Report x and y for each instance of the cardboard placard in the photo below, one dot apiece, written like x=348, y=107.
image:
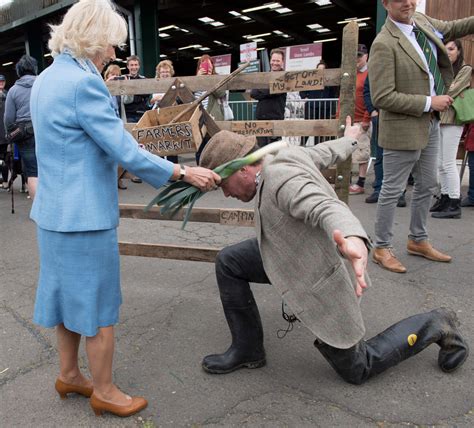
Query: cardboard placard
x=236, y=217
x=294, y=81
x=165, y=139
x=259, y=128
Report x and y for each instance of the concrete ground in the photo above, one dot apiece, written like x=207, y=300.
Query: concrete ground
x=172, y=317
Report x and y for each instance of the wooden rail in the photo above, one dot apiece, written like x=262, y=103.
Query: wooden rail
x=332, y=77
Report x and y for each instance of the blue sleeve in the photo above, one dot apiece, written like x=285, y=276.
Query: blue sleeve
x=96, y=116
x=367, y=99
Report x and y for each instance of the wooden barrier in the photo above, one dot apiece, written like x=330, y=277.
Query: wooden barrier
x=183, y=88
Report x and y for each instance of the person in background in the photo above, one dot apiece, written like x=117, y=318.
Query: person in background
x=214, y=103
x=17, y=110
x=135, y=105
x=408, y=87
x=112, y=73
x=315, y=109
x=449, y=203
x=270, y=106
x=80, y=142
x=164, y=70
x=468, y=201
x=3, y=140
x=361, y=156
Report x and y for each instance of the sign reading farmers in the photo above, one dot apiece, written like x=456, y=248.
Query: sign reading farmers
x=248, y=52
x=292, y=81
x=222, y=63
x=303, y=57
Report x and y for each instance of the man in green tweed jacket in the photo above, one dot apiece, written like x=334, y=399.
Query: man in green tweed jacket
x=409, y=72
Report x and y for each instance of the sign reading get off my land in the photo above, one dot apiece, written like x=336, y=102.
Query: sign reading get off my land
x=293, y=81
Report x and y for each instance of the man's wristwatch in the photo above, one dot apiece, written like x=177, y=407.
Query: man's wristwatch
x=182, y=172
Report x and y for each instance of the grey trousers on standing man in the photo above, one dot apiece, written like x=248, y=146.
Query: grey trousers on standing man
x=397, y=165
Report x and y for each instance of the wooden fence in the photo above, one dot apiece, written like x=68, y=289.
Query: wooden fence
x=345, y=77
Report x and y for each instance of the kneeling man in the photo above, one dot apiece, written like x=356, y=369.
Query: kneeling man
x=314, y=251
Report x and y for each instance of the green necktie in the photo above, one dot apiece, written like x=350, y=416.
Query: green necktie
x=431, y=59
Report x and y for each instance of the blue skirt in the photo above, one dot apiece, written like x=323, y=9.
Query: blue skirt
x=79, y=280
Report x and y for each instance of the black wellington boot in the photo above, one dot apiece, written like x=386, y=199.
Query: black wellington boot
x=399, y=342
x=441, y=202
x=452, y=210
x=247, y=349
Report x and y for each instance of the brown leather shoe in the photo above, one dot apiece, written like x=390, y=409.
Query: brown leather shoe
x=425, y=249
x=64, y=389
x=385, y=258
x=99, y=406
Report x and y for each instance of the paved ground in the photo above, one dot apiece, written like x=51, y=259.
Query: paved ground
x=172, y=317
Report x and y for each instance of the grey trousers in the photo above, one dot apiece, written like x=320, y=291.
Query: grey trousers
x=397, y=165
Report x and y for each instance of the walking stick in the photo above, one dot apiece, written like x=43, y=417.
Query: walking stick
x=205, y=95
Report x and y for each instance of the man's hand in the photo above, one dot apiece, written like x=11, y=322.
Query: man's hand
x=353, y=249
x=375, y=113
x=441, y=102
x=352, y=131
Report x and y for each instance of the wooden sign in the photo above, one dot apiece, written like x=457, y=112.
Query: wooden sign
x=236, y=217
x=259, y=128
x=294, y=81
x=162, y=138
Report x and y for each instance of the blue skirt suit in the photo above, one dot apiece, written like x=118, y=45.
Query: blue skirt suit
x=79, y=142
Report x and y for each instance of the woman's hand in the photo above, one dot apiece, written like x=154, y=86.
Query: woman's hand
x=203, y=72
x=202, y=178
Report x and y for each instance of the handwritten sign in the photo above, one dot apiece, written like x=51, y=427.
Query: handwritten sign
x=160, y=137
x=236, y=217
x=293, y=81
x=259, y=128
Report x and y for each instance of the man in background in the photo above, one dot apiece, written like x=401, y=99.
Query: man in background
x=270, y=106
x=409, y=73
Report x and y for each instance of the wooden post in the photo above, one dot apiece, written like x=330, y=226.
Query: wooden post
x=350, y=40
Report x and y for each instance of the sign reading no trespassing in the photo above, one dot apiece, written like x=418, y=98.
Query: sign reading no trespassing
x=259, y=128
x=293, y=81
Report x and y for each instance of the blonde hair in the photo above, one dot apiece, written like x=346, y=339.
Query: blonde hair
x=110, y=69
x=88, y=28
x=166, y=63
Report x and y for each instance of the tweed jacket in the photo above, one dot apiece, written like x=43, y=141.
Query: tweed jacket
x=296, y=213
x=79, y=141
x=399, y=80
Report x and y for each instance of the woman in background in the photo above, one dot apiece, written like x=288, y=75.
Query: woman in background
x=449, y=203
x=214, y=103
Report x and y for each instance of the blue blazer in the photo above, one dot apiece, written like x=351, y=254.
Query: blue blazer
x=79, y=142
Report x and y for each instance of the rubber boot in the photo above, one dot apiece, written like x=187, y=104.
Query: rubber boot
x=246, y=350
x=399, y=342
x=452, y=210
x=440, y=204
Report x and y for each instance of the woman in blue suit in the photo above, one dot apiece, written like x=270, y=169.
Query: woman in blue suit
x=79, y=142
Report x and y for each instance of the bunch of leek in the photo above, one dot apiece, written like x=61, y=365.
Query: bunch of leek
x=179, y=194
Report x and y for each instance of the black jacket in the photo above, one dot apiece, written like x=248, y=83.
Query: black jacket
x=140, y=102
x=269, y=106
